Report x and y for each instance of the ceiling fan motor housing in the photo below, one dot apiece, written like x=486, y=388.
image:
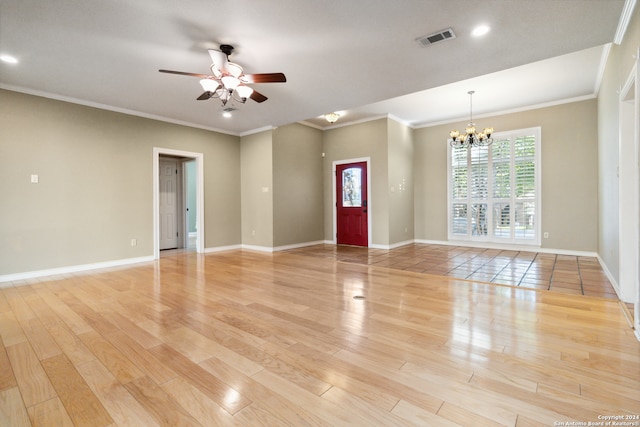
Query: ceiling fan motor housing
x=227, y=49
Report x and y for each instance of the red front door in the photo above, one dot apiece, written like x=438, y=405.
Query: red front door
x=351, y=196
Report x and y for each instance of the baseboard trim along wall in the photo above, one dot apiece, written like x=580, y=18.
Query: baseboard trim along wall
x=257, y=248
x=222, y=249
x=523, y=248
x=7, y=278
x=298, y=245
x=284, y=247
x=615, y=285
x=123, y=262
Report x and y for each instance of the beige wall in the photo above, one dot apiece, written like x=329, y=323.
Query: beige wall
x=400, y=185
x=95, y=189
x=569, y=174
x=357, y=141
x=257, y=189
x=95, y=169
x=619, y=65
x=297, y=185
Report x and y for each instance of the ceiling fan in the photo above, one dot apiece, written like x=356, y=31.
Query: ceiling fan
x=228, y=80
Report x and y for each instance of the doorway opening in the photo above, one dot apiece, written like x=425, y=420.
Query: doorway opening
x=352, y=202
x=178, y=200
x=629, y=194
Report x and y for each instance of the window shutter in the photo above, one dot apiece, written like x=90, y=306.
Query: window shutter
x=502, y=175
x=525, y=186
x=494, y=191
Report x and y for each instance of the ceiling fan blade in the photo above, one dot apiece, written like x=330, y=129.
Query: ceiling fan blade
x=258, y=97
x=205, y=96
x=219, y=59
x=184, y=73
x=264, y=78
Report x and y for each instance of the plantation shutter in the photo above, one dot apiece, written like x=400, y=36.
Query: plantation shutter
x=525, y=186
x=494, y=190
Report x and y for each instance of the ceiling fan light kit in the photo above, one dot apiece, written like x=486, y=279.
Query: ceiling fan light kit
x=228, y=81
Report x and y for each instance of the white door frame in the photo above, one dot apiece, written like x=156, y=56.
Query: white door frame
x=629, y=192
x=636, y=125
x=185, y=202
x=367, y=160
x=199, y=158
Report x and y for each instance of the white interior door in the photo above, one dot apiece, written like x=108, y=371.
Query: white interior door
x=158, y=156
x=168, y=204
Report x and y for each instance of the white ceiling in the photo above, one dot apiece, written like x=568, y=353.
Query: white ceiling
x=356, y=56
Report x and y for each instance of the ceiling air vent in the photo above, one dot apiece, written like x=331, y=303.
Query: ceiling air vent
x=436, y=37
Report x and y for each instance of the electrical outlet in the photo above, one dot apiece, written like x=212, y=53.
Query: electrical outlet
x=546, y=235
x=134, y=242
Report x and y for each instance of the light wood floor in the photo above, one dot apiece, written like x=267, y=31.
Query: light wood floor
x=246, y=338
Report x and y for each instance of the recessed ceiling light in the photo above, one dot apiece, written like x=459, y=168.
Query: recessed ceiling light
x=226, y=114
x=480, y=30
x=8, y=59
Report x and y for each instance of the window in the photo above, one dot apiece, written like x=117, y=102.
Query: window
x=351, y=187
x=494, y=192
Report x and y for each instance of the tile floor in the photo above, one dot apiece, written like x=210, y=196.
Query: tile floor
x=557, y=273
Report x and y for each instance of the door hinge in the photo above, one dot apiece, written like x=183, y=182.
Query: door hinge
x=176, y=234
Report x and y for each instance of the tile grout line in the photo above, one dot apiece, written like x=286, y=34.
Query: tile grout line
x=528, y=268
x=580, y=275
x=553, y=270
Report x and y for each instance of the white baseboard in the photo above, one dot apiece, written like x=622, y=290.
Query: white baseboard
x=71, y=269
x=392, y=246
x=265, y=248
x=523, y=248
x=377, y=246
x=222, y=249
x=401, y=244
x=257, y=248
x=614, y=283
x=298, y=245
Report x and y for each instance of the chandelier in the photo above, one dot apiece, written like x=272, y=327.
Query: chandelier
x=226, y=84
x=470, y=138
x=332, y=117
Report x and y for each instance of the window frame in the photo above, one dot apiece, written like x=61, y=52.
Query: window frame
x=490, y=200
